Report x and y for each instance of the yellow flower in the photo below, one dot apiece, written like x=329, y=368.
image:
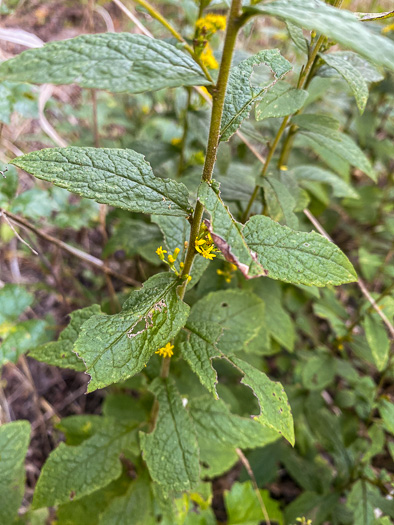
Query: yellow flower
x=388, y=28
x=176, y=141
x=211, y=23
x=206, y=252
x=172, y=258
x=160, y=252
x=208, y=59
x=166, y=351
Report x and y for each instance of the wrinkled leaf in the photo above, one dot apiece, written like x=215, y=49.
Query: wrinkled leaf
x=115, y=347
x=241, y=94
x=352, y=76
x=60, y=352
x=118, y=62
x=117, y=177
x=297, y=257
x=215, y=422
x=281, y=100
x=378, y=340
x=171, y=450
x=72, y=472
x=275, y=410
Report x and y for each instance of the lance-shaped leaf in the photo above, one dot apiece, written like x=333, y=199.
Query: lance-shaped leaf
x=118, y=177
x=60, y=352
x=171, y=450
x=115, y=347
x=275, y=411
x=72, y=472
x=241, y=94
x=118, y=62
x=321, y=129
x=352, y=76
x=227, y=233
x=14, y=441
x=337, y=24
x=317, y=174
x=281, y=100
x=297, y=257
x=213, y=420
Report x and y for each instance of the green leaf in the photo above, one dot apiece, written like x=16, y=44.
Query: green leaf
x=297, y=36
x=21, y=338
x=337, y=24
x=60, y=352
x=369, y=72
x=321, y=129
x=386, y=410
x=360, y=503
x=297, y=257
x=241, y=94
x=14, y=300
x=280, y=201
x=120, y=178
x=171, y=450
x=378, y=340
x=213, y=420
x=275, y=410
x=239, y=313
x=317, y=174
x=118, y=62
x=281, y=100
x=133, y=508
x=115, y=347
x=352, y=76
x=72, y=472
x=278, y=321
x=244, y=508
x=200, y=348
x=14, y=441
x=88, y=509
x=215, y=458
x=227, y=233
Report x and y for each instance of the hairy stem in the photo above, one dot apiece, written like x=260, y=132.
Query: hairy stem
x=218, y=96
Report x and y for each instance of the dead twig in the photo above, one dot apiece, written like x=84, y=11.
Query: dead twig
x=249, y=470
x=90, y=259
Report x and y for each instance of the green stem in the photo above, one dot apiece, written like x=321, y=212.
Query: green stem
x=218, y=96
x=155, y=14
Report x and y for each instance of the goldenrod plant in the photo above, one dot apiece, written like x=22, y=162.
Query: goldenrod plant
x=244, y=335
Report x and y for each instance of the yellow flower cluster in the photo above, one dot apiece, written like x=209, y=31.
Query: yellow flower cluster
x=204, y=244
x=208, y=59
x=171, y=258
x=228, y=272
x=166, y=351
x=211, y=23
